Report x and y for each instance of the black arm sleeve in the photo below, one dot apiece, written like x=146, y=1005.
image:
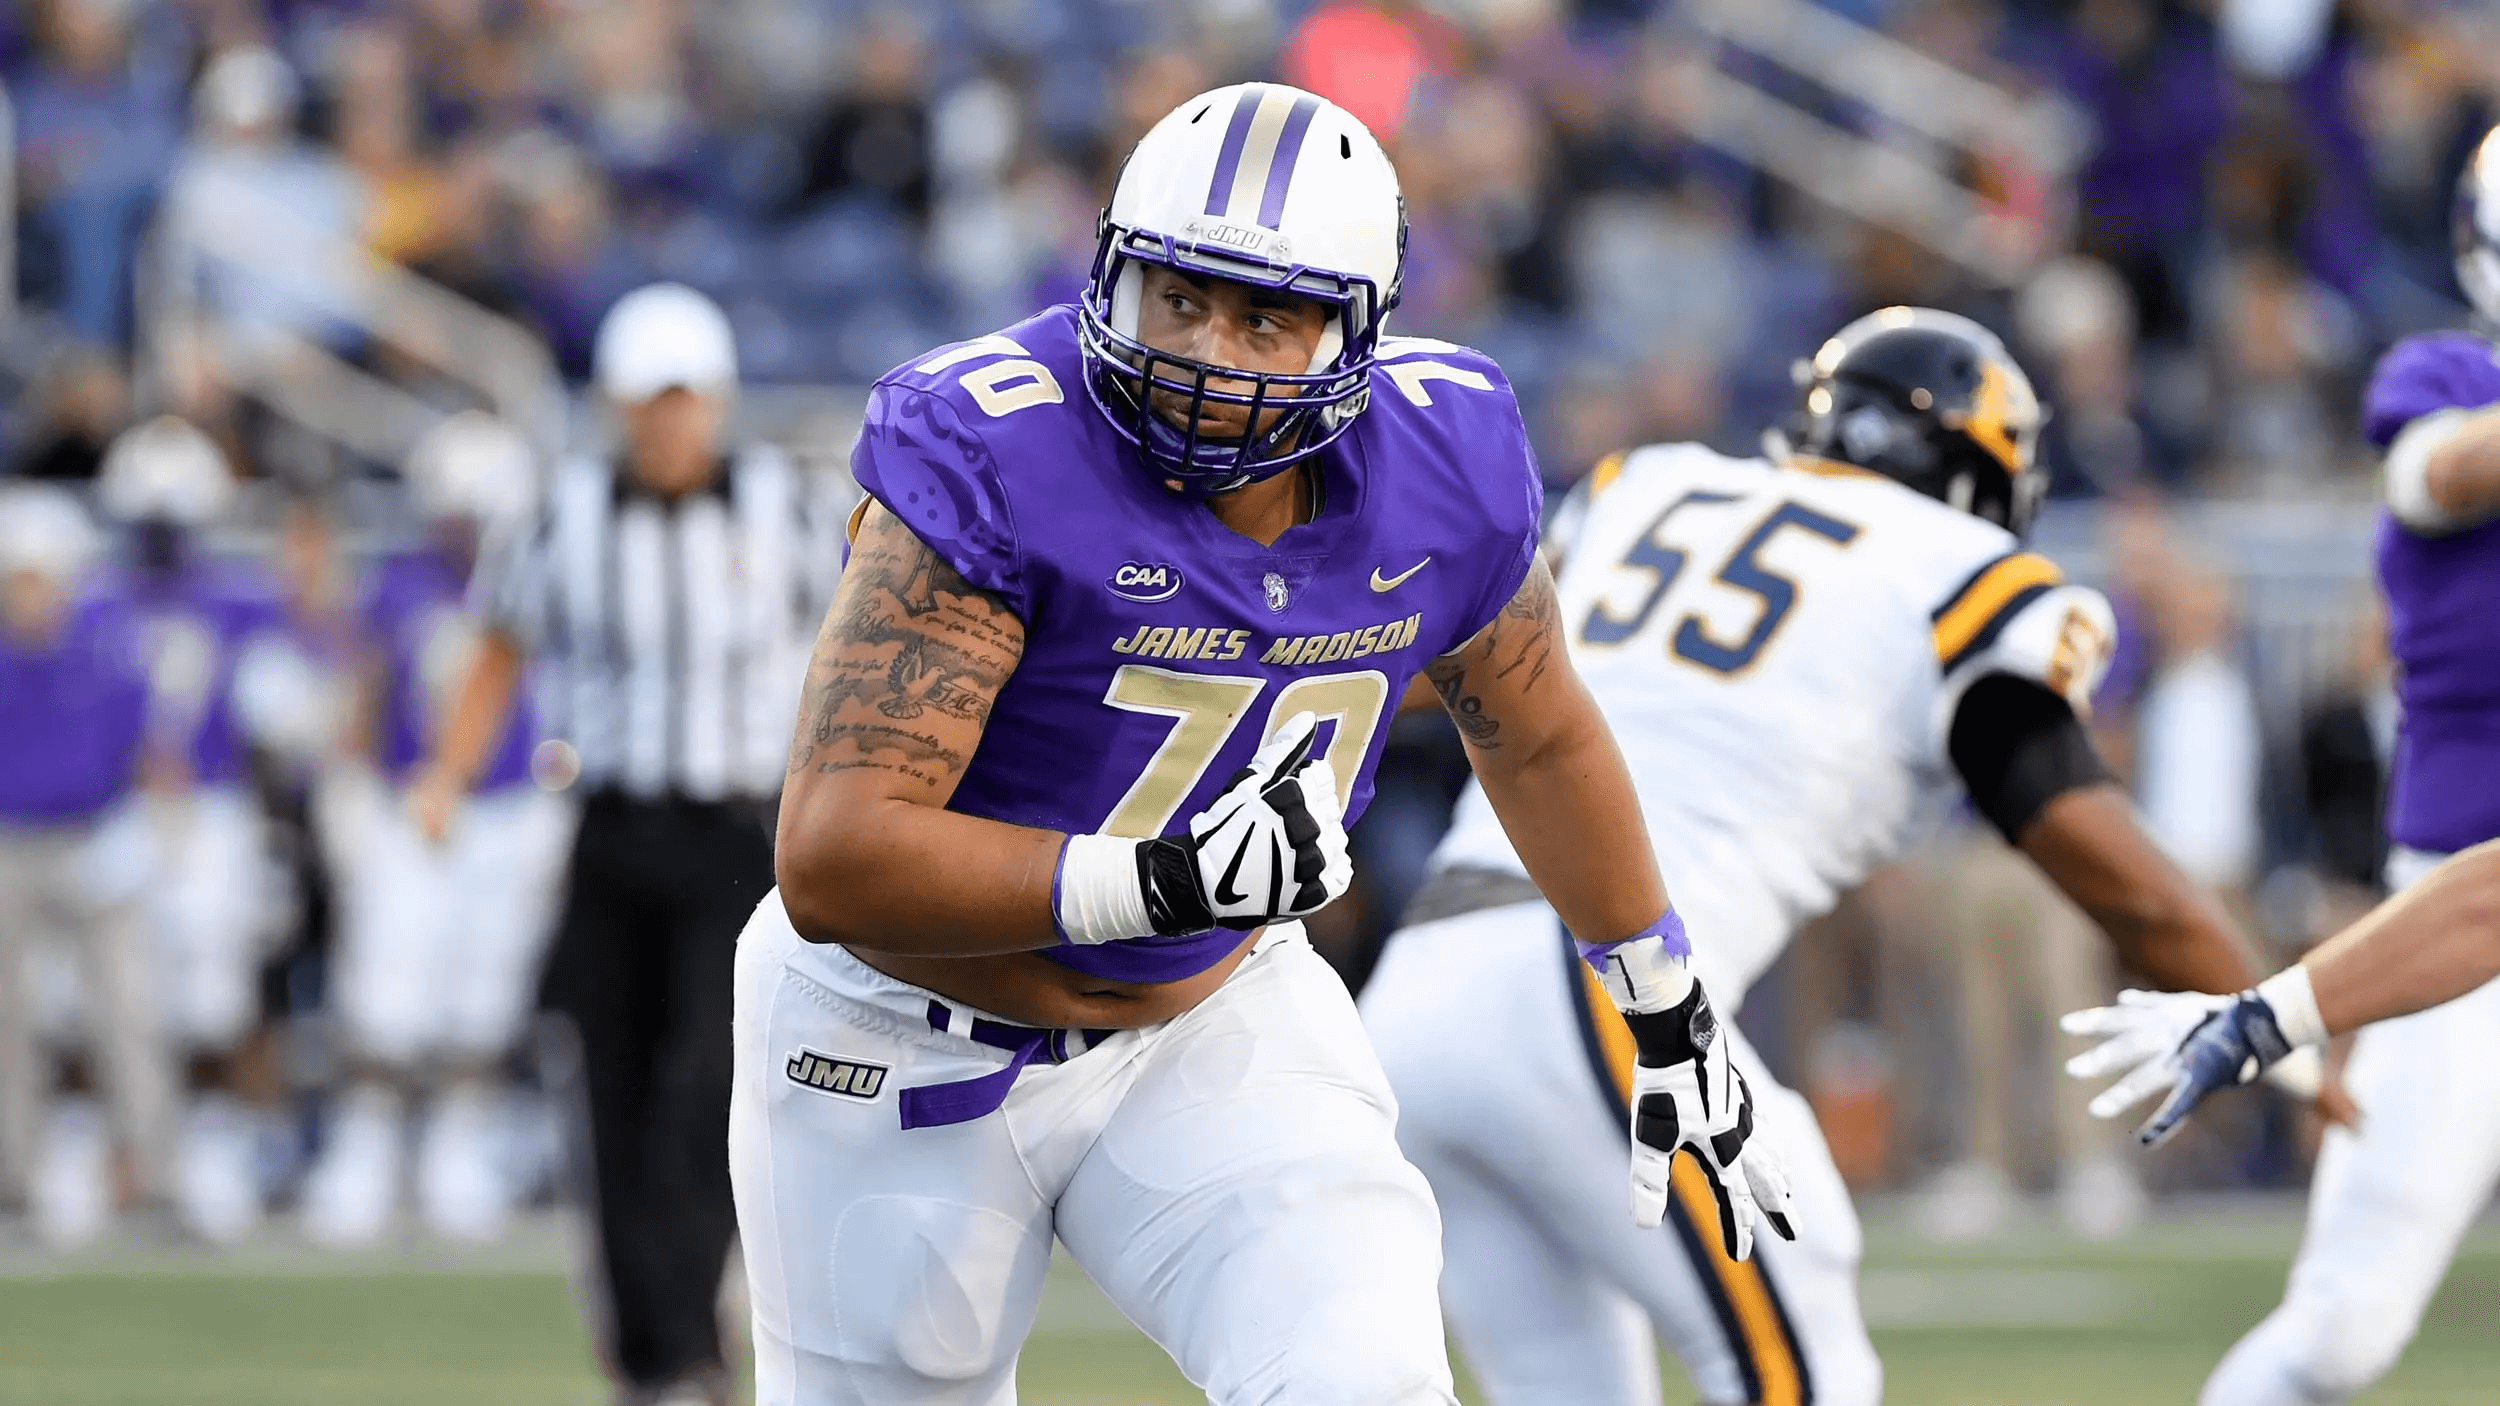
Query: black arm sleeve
x=2018, y=747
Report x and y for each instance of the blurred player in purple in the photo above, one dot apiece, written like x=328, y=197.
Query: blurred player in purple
x=2390, y=1200
x=199, y=859
x=438, y=944
x=73, y=715
x=1138, y=584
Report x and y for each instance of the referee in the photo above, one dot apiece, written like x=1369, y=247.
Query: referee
x=663, y=606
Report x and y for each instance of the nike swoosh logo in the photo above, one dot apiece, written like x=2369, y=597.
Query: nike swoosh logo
x=1392, y=583
x=1224, y=890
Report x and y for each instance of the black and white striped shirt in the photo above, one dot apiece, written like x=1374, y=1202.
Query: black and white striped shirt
x=669, y=637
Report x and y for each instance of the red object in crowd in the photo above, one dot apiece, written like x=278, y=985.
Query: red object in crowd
x=1370, y=60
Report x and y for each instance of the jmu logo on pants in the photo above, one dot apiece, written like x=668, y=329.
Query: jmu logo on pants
x=850, y=1078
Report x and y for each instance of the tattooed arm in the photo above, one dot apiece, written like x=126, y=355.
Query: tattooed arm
x=1549, y=765
x=909, y=660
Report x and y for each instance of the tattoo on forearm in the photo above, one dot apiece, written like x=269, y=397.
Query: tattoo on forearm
x=1514, y=650
x=908, y=641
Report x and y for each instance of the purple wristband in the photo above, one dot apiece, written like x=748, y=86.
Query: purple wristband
x=1669, y=928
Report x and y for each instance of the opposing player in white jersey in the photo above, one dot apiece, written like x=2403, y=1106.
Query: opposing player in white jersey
x=1802, y=660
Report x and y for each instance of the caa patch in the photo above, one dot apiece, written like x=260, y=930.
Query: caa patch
x=850, y=1078
x=1145, y=581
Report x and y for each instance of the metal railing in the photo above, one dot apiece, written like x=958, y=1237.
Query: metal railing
x=1930, y=113
x=246, y=238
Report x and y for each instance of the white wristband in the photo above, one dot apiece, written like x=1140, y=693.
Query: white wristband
x=1096, y=894
x=2295, y=1005
x=1644, y=976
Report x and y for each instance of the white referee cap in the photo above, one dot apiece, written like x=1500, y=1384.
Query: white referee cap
x=662, y=336
x=42, y=529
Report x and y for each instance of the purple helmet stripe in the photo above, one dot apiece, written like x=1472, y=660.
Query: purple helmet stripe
x=1280, y=167
x=1228, y=159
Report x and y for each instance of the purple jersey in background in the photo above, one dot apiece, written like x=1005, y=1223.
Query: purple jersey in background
x=413, y=607
x=2443, y=615
x=1161, y=647
x=192, y=626
x=73, y=718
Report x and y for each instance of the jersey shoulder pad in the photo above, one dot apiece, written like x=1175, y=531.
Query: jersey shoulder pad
x=920, y=456
x=2018, y=615
x=2423, y=375
x=1464, y=461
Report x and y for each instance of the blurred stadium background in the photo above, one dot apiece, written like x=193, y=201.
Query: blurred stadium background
x=315, y=230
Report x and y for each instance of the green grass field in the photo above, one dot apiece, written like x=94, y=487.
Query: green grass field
x=2027, y=1320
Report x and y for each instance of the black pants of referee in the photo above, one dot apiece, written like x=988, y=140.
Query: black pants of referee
x=642, y=962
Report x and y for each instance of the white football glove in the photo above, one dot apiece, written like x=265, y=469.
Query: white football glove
x=1687, y=1095
x=1271, y=846
x=2187, y=1044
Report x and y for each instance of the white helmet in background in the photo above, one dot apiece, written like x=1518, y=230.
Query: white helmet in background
x=473, y=466
x=44, y=530
x=1262, y=184
x=165, y=471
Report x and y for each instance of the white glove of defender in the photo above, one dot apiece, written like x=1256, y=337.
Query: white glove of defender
x=1272, y=846
x=1687, y=1096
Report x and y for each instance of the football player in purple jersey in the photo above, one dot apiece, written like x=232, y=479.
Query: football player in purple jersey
x=197, y=851
x=1137, y=584
x=2391, y=1198
x=439, y=939
x=73, y=722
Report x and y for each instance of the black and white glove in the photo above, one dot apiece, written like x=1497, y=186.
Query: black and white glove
x=1686, y=1095
x=1271, y=847
x=2187, y=1044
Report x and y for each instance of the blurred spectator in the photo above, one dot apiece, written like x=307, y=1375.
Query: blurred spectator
x=872, y=143
x=2346, y=738
x=73, y=709
x=2075, y=318
x=2197, y=748
x=82, y=404
x=2148, y=73
x=247, y=184
x=94, y=140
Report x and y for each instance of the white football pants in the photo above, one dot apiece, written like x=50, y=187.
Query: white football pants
x=2387, y=1204
x=439, y=946
x=199, y=868
x=1230, y=1178
x=1511, y=1067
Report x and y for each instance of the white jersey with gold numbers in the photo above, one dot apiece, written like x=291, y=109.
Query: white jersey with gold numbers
x=1780, y=650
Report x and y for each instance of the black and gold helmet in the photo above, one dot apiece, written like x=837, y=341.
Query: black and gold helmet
x=1930, y=399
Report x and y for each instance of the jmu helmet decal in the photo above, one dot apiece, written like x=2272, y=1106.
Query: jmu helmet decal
x=1145, y=582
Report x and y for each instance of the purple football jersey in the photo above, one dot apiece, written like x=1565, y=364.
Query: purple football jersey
x=1153, y=633
x=413, y=611
x=73, y=717
x=192, y=628
x=2443, y=615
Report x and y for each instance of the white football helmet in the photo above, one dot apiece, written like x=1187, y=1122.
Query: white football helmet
x=1261, y=184
x=2477, y=229
x=165, y=471
x=43, y=530
x=472, y=466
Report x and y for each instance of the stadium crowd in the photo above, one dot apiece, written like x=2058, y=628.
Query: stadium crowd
x=2262, y=208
